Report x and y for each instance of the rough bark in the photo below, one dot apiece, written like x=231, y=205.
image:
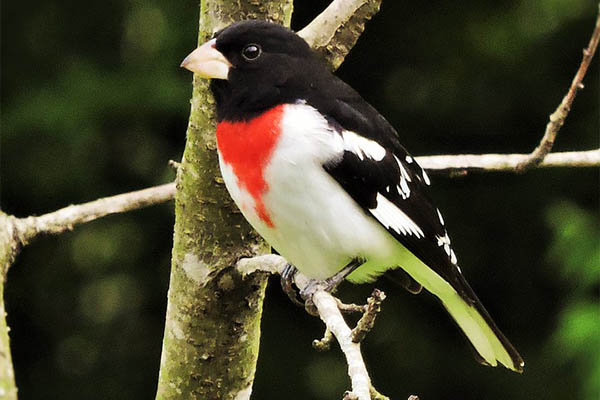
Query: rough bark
x=212, y=328
x=337, y=29
x=9, y=248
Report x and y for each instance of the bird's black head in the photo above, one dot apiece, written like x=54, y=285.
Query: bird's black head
x=255, y=65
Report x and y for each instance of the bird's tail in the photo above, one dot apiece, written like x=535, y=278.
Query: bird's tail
x=491, y=346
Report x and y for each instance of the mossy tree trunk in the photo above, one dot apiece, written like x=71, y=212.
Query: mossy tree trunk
x=212, y=329
x=9, y=248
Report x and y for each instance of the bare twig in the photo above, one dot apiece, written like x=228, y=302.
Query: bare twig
x=367, y=321
x=329, y=312
x=507, y=162
x=323, y=344
x=174, y=164
x=375, y=395
x=335, y=31
x=271, y=263
x=66, y=218
x=351, y=308
x=557, y=118
x=19, y=231
x=332, y=317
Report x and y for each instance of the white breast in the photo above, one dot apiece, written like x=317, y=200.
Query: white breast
x=317, y=226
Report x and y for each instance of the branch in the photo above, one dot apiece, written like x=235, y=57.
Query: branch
x=557, y=118
x=20, y=231
x=330, y=313
x=507, y=162
x=366, y=323
x=335, y=31
x=66, y=218
x=25, y=229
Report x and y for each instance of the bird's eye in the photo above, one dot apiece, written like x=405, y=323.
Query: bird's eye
x=251, y=52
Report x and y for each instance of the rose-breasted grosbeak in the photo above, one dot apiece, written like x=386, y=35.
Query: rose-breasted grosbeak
x=322, y=176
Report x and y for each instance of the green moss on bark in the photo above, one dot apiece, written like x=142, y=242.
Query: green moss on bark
x=212, y=329
x=9, y=248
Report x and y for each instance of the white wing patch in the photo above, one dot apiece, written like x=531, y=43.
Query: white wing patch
x=403, y=187
x=440, y=216
x=453, y=258
x=392, y=217
x=362, y=147
x=425, y=177
x=444, y=241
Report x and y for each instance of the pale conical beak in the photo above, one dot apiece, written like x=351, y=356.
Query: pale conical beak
x=207, y=61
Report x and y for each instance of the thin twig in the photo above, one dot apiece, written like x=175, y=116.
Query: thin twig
x=174, y=164
x=351, y=308
x=506, y=162
x=557, y=118
x=25, y=229
x=375, y=395
x=66, y=218
x=332, y=317
x=329, y=312
x=366, y=323
x=323, y=344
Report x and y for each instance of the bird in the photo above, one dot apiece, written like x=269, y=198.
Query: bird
x=322, y=176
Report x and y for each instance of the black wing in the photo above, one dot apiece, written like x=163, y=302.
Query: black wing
x=393, y=190
x=391, y=187
x=396, y=179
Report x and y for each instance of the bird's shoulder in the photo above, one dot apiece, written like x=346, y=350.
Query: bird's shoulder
x=386, y=180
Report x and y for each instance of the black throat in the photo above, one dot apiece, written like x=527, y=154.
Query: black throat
x=246, y=94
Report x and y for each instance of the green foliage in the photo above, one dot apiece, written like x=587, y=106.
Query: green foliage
x=575, y=251
x=94, y=103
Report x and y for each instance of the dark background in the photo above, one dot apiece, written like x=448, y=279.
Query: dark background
x=94, y=104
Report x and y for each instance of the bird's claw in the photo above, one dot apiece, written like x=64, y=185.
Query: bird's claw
x=287, y=284
x=328, y=285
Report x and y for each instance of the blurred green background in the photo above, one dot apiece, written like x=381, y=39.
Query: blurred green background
x=94, y=104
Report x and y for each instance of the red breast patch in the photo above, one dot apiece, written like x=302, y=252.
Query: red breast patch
x=247, y=147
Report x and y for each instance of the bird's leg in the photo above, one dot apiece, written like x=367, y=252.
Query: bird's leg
x=328, y=285
x=287, y=284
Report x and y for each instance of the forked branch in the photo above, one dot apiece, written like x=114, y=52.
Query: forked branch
x=557, y=118
x=335, y=31
x=329, y=311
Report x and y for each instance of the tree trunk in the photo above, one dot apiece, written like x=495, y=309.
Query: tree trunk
x=212, y=328
x=8, y=252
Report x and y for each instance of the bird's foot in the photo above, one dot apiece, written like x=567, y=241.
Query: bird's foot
x=309, y=291
x=287, y=284
x=329, y=285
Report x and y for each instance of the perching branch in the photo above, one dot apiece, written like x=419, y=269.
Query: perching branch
x=333, y=319
x=335, y=31
x=557, y=118
x=329, y=311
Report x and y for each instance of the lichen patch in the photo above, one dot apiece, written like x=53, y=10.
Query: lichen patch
x=196, y=269
x=244, y=394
